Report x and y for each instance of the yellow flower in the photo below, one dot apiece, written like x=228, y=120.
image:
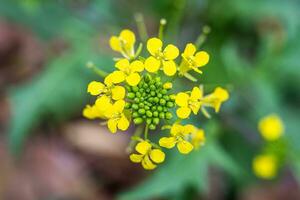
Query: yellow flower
x=215, y=99
x=188, y=103
x=116, y=117
x=147, y=156
x=179, y=136
x=108, y=89
x=92, y=112
x=161, y=58
x=265, y=166
x=198, y=137
x=192, y=61
x=271, y=127
x=128, y=71
x=124, y=43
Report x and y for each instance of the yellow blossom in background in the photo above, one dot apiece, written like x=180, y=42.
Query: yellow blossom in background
x=128, y=71
x=271, y=127
x=124, y=43
x=265, y=166
x=179, y=136
x=197, y=137
x=161, y=58
x=192, y=61
x=148, y=156
x=116, y=117
x=188, y=103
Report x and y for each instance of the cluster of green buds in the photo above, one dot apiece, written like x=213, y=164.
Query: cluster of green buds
x=150, y=102
x=139, y=92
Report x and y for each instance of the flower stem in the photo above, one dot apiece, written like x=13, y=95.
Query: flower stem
x=141, y=26
x=134, y=138
x=202, y=37
x=98, y=71
x=146, y=132
x=163, y=23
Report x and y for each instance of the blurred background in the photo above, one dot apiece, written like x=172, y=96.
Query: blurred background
x=48, y=151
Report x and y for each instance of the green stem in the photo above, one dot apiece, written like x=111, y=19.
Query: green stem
x=98, y=71
x=163, y=23
x=202, y=37
x=141, y=26
x=134, y=138
x=146, y=132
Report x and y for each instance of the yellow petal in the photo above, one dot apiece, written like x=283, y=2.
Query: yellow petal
x=152, y=64
x=119, y=106
x=88, y=112
x=137, y=66
x=198, y=138
x=189, y=50
x=157, y=156
x=128, y=36
x=103, y=103
x=112, y=125
x=154, y=46
x=171, y=52
x=133, y=79
x=95, y=88
x=136, y=158
x=221, y=94
x=118, y=92
x=187, y=129
x=168, y=85
x=182, y=99
x=115, y=44
x=183, y=112
x=143, y=147
x=167, y=142
x=169, y=68
x=176, y=129
x=122, y=64
x=123, y=123
x=195, y=107
x=184, y=147
x=147, y=163
x=196, y=93
x=201, y=58
x=117, y=77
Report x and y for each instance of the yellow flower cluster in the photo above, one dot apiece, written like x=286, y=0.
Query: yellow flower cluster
x=271, y=129
x=139, y=91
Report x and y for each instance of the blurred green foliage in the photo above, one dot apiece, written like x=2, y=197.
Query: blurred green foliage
x=254, y=47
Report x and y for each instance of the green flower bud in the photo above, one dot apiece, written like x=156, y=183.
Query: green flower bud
x=138, y=94
x=141, y=111
x=135, y=114
x=159, y=95
x=153, y=108
x=156, y=100
x=127, y=105
x=152, y=87
x=169, y=115
x=164, y=91
x=159, y=108
x=156, y=121
x=147, y=108
x=149, y=113
x=166, y=97
x=138, y=120
x=141, y=105
x=162, y=102
x=152, y=127
x=155, y=114
x=148, y=121
x=130, y=95
x=135, y=89
x=135, y=106
x=170, y=104
x=136, y=100
x=162, y=115
x=152, y=93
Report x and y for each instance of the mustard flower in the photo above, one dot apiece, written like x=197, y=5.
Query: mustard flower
x=188, y=103
x=265, y=166
x=271, y=127
x=128, y=71
x=215, y=99
x=124, y=43
x=180, y=136
x=116, y=117
x=148, y=156
x=192, y=61
x=161, y=58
